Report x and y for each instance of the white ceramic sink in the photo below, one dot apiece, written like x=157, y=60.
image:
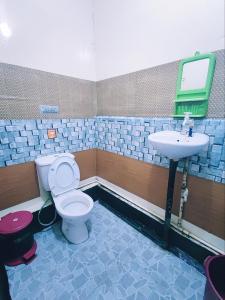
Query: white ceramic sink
x=175, y=145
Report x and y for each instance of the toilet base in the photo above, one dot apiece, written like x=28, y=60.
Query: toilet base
x=75, y=233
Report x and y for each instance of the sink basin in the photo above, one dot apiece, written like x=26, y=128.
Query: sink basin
x=175, y=145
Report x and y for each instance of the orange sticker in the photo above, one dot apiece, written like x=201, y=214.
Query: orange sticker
x=51, y=133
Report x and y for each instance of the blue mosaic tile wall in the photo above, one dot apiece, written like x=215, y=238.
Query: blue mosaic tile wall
x=24, y=140
x=128, y=136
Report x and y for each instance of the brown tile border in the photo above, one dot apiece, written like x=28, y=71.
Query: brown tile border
x=205, y=207
x=19, y=183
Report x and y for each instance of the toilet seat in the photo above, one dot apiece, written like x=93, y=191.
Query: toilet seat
x=64, y=178
x=63, y=175
x=73, y=204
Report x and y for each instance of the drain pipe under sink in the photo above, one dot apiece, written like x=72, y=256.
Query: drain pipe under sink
x=184, y=193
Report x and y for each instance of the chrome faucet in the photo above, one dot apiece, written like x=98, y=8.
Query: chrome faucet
x=187, y=125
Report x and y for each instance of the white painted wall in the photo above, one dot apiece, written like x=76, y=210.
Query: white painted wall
x=50, y=35
x=132, y=35
x=59, y=36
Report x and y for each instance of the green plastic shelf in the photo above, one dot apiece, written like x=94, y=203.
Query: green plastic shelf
x=181, y=116
x=190, y=100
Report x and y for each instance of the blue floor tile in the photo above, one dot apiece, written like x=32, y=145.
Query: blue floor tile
x=116, y=263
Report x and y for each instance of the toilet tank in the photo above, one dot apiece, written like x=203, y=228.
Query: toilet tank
x=43, y=164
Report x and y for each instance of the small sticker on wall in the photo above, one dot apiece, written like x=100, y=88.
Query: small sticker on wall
x=49, y=109
x=51, y=133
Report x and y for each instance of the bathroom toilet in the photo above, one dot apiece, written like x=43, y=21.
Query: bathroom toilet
x=60, y=174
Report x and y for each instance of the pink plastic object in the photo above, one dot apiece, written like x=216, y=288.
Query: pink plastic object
x=25, y=259
x=14, y=222
x=215, y=273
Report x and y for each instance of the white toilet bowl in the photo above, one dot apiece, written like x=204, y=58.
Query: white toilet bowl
x=60, y=174
x=74, y=208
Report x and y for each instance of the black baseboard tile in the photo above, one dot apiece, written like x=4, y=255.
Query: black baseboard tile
x=179, y=244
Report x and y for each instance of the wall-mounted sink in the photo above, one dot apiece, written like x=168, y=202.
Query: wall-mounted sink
x=175, y=145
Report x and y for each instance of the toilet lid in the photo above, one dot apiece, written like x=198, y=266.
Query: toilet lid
x=63, y=175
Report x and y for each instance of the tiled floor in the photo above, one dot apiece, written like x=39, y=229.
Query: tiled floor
x=117, y=262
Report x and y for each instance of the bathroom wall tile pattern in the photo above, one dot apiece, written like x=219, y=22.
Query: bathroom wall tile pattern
x=128, y=136
x=151, y=92
x=116, y=262
x=24, y=140
x=23, y=90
